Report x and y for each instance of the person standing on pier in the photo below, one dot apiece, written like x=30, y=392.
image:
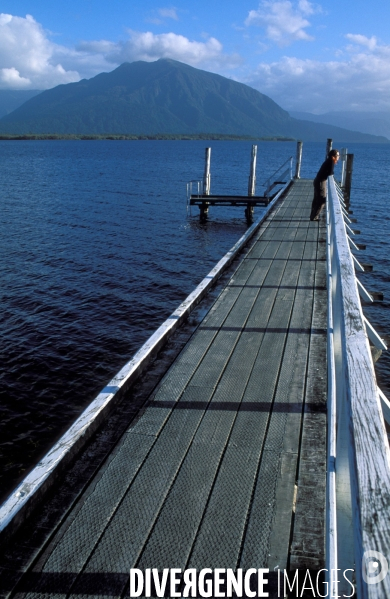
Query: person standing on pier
x=319, y=183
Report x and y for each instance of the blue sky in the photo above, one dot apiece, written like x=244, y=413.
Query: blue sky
x=308, y=56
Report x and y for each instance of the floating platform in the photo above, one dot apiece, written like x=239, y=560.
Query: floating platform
x=226, y=200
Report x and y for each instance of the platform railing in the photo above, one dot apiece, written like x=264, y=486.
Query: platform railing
x=358, y=485
x=190, y=192
x=277, y=178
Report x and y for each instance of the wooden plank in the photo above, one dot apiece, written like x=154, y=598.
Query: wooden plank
x=308, y=538
x=231, y=494
x=194, y=479
x=267, y=536
x=301, y=322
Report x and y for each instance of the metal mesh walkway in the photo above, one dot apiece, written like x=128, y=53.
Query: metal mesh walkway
x=225, y=467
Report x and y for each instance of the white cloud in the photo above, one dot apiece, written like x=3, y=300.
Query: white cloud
x=358, y=78
x=306, y=8
x=284, y=21
x=29, y=59
x=26, y=56
x=11, y=78
x=168, y=13
x=159, y=16
x=361, y=81
x=96, y=47
x=362, y=40
x=149, y=47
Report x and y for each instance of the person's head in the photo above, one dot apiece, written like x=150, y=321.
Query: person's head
x=334, y=155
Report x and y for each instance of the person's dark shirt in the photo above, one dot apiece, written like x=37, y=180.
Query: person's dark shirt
x=326, y=169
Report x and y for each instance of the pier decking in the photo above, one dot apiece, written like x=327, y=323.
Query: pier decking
x=225, y=467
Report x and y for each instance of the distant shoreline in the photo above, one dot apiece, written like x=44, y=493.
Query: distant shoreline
x=131, y=137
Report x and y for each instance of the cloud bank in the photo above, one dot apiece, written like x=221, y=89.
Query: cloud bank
x=30, y=60
x=359, y=79
x=26, y=56
x=149, y=47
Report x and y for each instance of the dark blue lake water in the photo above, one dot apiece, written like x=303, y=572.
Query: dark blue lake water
x=97, y=250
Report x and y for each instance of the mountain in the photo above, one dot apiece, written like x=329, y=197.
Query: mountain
x=165, y=96
x=11, y=99
x=374, y=123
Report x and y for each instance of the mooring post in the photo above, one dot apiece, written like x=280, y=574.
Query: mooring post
x=206, y=176
x=204, y=207
x=343, y=157
x=252, y=173
x=348, y=179
x=298, y=160
x=329, y=143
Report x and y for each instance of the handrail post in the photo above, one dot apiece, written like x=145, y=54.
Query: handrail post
x=329, y=143
x=207, y=176
x=298, y=160
x=343, y=156
x=252, y=173
x=268, y=183
x=348, y=179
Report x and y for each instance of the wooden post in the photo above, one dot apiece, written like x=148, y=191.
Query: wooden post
x=298, y=160
x=249, y=211
x=329, y=143
x=343, y=156
x=252, y=173
x=206, y=176
x=348, y=179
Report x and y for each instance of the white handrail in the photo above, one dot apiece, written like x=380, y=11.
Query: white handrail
x=373, y=335
x=189, y=192
x=361, y=455
x=363, y=292
x=385, y=406
x=331, y=513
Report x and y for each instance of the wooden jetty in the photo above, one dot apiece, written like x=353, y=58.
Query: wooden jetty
x=256, y=443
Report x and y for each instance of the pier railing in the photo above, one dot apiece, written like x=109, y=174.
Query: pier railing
x=358, y=498
x=277, y=178
x=190, y=192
